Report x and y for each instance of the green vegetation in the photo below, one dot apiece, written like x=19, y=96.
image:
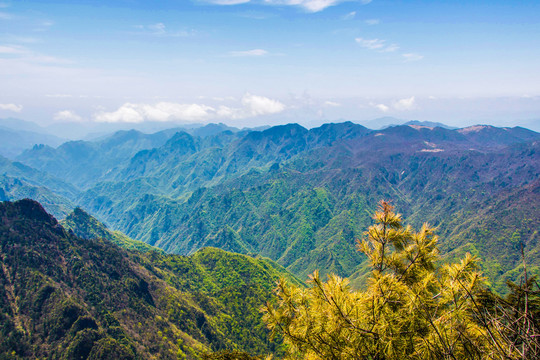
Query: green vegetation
x=65, y=297
x=302, y=197
x=229, y=355
x=14, y=189
x=412, y=307
x=87, y=227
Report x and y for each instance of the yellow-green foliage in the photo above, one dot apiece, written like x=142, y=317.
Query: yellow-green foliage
x=412, y=308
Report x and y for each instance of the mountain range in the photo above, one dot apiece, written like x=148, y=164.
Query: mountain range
x=18, y=135
x=301, y=197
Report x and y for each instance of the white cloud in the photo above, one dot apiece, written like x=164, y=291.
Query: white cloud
x=382, y=107
x=252, y=106
x=5, y=15
x=23, y=54
x=44, y=26
x=226, y=112
x=372, y=44
x=22, y=39
x=45, y=59
x=160, y=29
x=126, y=113
x=11, y=107
x=412, y=57
x=162, y=111
x=350, y=15
x=60, y=96
x=249, y=53
x=309, y=5
x=405, y=104
x=399, y=105
x=376, y=44
x=372, y=21
x=332, y=104
x=390, y=48
x=317, y=5
x=67, y=115
x=260, y=105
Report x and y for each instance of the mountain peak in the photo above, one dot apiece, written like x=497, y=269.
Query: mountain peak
x=180, y=137
x=26, y=209
x=212, y=129
x=418, y=127
x=288, y=129
x=328, y=133
x=428, y=124
x=474, y=129
x=79, y=213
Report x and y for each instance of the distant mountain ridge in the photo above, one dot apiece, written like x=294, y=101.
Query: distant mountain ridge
x=431, y=124
x=299, y=196
x=22, y=125
x=18, y=135
x=86, y=163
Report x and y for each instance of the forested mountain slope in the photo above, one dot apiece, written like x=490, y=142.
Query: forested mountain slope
x=302, y=197
x=308, y=194
x=87, y=227
x=83, y=163
x=14, y=189
x=64, y=297
x=35, y=177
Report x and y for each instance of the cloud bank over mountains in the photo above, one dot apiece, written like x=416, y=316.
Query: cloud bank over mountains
x=405, y=104
x=250, y=106
x=11, y=107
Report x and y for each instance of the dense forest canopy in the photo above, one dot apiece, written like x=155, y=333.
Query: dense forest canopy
x=66, y=297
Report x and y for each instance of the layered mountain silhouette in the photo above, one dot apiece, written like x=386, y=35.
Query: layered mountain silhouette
x=302, y=197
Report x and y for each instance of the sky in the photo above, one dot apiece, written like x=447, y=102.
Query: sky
x=255, y=62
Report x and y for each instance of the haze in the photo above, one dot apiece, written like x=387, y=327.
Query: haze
x=249, y=63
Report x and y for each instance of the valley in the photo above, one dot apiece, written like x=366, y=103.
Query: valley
x=299, y=197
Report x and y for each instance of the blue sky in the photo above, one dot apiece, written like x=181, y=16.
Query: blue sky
x=270, y=61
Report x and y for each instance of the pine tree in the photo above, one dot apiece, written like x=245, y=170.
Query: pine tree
x=412, y=307
x=515, y=319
